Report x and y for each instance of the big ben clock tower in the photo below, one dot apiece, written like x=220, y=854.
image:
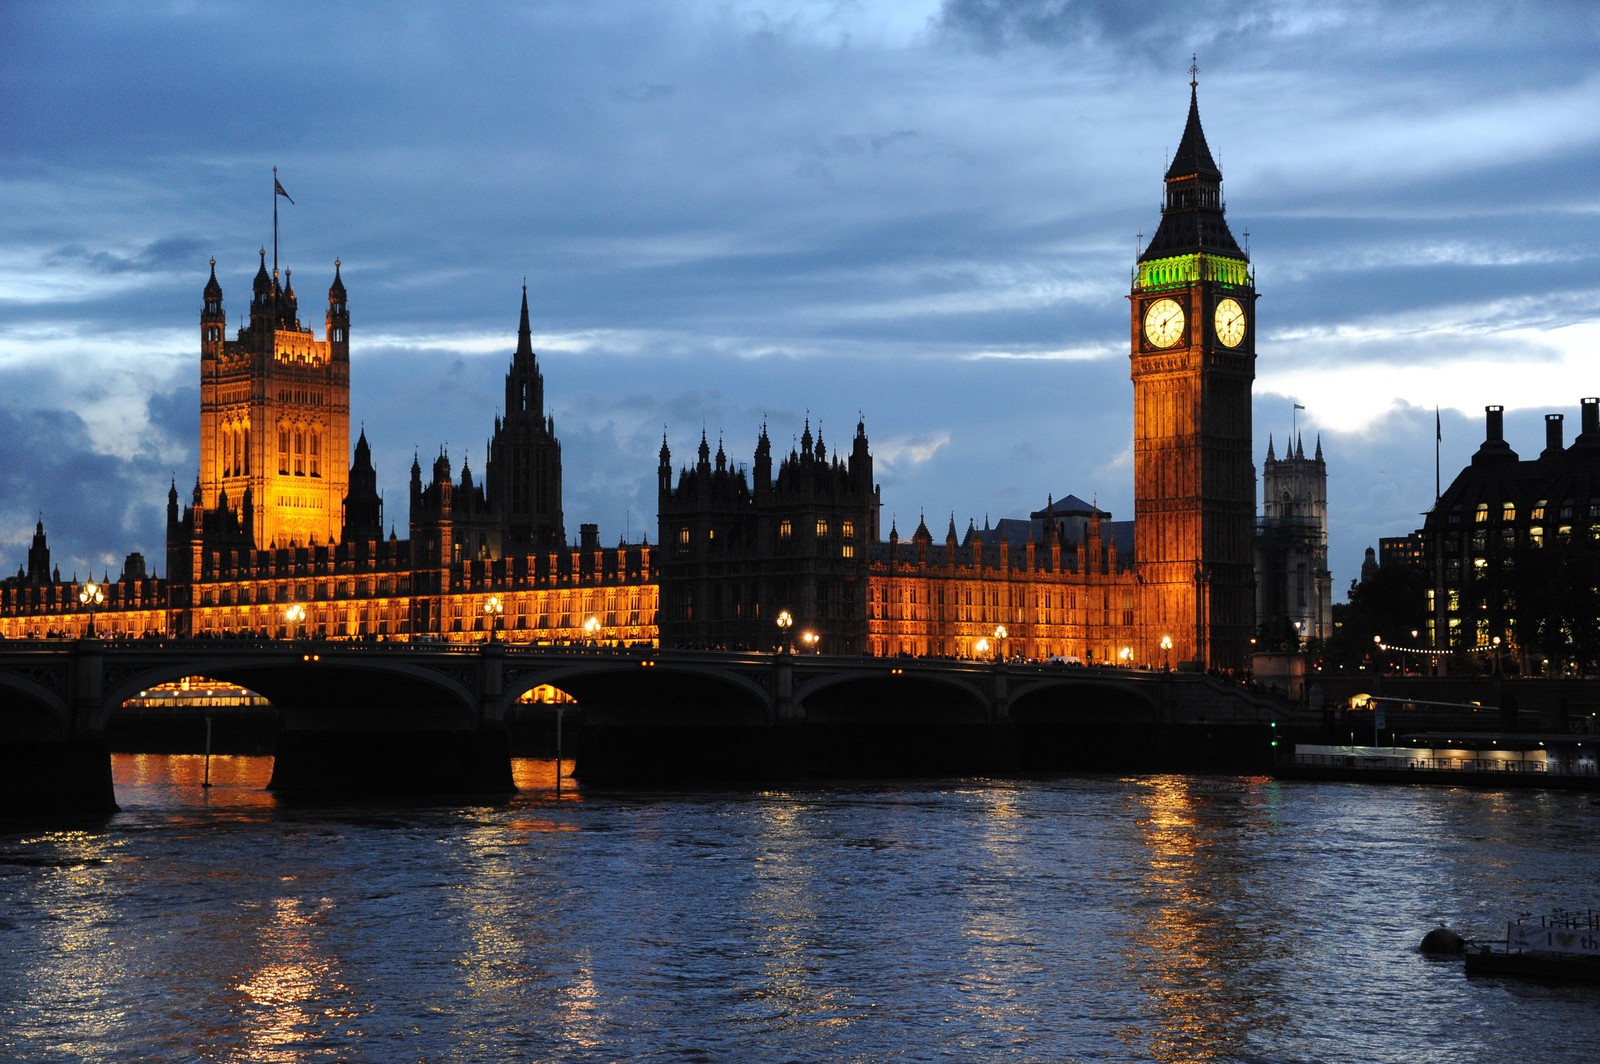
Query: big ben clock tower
x=1193, y=363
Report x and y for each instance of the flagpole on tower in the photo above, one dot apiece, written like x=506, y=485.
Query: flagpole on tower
x=1439, y=436
x=277, y=190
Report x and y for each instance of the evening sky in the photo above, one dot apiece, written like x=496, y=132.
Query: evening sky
x=732, y=213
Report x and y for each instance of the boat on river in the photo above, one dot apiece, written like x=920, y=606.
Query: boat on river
x=1563, y=946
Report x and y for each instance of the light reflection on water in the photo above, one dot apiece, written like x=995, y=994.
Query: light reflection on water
x=1089, y=918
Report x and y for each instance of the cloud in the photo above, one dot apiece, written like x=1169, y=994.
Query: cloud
x=729, y=213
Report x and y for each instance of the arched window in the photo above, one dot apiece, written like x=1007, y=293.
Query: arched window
x=299, y=452
x=283, y=449
x=315, y=452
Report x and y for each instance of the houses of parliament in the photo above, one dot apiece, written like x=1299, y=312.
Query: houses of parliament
x=283, y=532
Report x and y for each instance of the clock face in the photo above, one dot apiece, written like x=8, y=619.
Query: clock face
x=1163, y=322
x=1230, y=322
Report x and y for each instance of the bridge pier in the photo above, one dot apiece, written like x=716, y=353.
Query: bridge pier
x=435, y=761
x=53, y=757
x=56, y=776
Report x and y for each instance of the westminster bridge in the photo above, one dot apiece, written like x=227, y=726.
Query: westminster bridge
x=430, y=717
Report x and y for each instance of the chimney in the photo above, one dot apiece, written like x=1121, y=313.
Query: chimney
x=1494, y=448
x=589, y=537
x=1591, y=415
x=1552, y=435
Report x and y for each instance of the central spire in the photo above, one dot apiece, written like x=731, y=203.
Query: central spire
x=524, y=331
x=1192, y=218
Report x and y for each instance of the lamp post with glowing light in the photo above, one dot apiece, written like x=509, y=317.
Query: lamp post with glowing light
x=91, y=596
x=493, y=610
x=293, y=616
x=1166, y=652
x=999, y=643
x=1125, y=656
x=811, y=639
x=785, y=621
x=1494, y=667
x=590, y=629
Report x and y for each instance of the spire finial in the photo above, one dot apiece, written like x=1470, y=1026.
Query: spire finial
x=1194, y=70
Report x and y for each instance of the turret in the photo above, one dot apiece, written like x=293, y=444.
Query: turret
x=763, y=466
x=38, y=557
x=261, y=298
x=213, y=322
x=338, y=322
x=363, y=507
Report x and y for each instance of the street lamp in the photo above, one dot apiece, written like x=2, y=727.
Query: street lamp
x=785, y=620
x=981, y=647
x=91, y=596
x=1125, y=655
x=1298, y=626
x=1000, y=643
x=493, y=610
x=810, y=639
x=1494, y=668
x=1166, y=652
x=590, y=628
x=293, y=616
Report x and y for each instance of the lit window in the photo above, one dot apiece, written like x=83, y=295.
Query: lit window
x=683, y=536
x=848, y=529
x=849, y=550
x=822, y=527
x=785, y=529
x=1482, y=515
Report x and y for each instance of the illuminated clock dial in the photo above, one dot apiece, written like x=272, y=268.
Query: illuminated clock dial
x=1229, y=321
x=1163, y=322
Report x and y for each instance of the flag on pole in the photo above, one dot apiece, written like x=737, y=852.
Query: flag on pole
x=1297, y=406
x=277, y=186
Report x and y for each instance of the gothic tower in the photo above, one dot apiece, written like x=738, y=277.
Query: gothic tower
x=1294, y=589
x=1193, y=363
x=275, y=413
x=522, y=477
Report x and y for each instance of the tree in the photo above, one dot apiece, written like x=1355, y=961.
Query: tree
x=1391, y=603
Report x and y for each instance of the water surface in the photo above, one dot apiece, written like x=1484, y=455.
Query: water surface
x=1168, y=918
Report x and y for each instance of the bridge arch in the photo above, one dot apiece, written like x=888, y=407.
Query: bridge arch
x=888, y=696
x=1069, y=699
x=30, y=710
x=416, y=693
x=631, y=688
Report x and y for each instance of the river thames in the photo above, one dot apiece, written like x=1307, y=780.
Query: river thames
x=1105, y=918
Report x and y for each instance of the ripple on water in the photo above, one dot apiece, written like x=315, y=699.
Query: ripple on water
x=1081, y=918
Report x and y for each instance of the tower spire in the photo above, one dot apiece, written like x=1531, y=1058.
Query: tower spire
x=524, y=329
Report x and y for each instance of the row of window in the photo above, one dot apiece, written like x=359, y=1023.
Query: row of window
x=1507, y=512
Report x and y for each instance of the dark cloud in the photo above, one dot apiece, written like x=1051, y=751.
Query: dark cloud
x=169, y=253
x=1151, y=27
x=95, y=507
